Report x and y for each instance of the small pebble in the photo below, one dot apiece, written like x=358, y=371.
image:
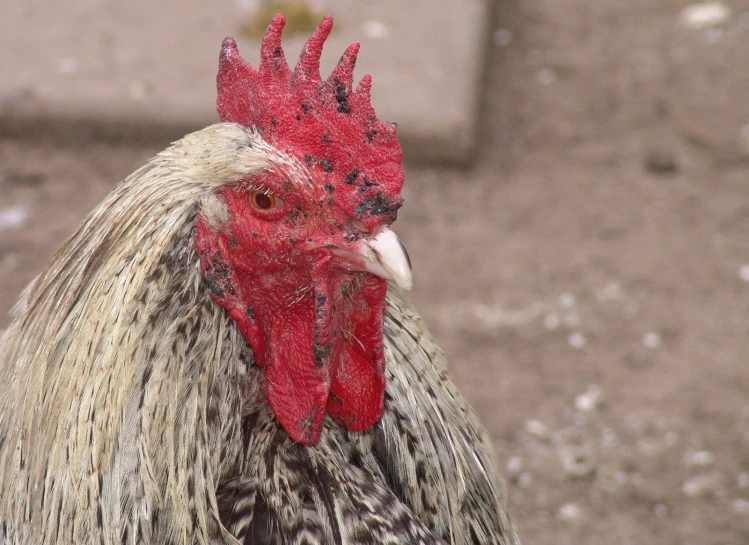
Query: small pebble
x=577, y=340
x=744, y=273
x=13, y=217
x=701, y=458
x=741, y=506
x=567, y=301
x=590, y=399
x=537, y=428
x=701, y=485
x=570, y=512
x=514, y=466
x=704, y=15
x=652, y=340
x=551, y=321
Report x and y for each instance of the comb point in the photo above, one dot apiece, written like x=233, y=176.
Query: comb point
x=308, y=65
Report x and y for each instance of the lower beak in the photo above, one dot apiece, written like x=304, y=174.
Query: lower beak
x=385, y=256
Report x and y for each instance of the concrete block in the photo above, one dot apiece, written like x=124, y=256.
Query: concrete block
x=143, y=63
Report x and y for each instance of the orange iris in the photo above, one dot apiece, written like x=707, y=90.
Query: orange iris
x=262, y=199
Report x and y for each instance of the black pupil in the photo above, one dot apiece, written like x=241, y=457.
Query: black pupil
x=263, y=201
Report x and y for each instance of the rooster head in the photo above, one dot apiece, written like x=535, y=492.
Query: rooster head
x=300, y=252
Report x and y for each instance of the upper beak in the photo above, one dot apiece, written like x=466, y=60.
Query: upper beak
x=385, y=256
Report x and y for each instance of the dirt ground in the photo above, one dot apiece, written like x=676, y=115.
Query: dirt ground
x=589, y=276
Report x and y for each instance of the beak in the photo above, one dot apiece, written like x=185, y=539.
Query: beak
x=385, y=256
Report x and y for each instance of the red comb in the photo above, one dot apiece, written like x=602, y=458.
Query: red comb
x=327, y=124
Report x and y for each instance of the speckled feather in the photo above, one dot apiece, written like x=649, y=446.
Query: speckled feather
x=131, y=410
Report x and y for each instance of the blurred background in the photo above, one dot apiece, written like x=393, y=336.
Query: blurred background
x=577, y=214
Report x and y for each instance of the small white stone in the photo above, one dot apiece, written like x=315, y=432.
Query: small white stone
x=590, y=399
x=514, y=466
x=13, y=217
x=577, y=340
x=537, y=428
x=700, y=458
x=567, y=301
x=502, y=37
x=652, y=340
x=704, y=15
x=700, y=485
x=377, y=30
x=570, y=512
x=744, y=273
x=741, y=506
x=551, y=321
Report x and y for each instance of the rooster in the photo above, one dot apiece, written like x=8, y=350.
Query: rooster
x=222, y=352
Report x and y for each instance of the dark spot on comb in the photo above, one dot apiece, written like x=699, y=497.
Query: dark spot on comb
x=277, y=51
x=325, y=165
x=379, y=205
x=369, y=182
x=370, y=134
x=326, y=137
x=255, y=235
x=273, y=121
x=306, y=107
x=352, y=176
x=329, y=187
x=287, y=185
x=299, y=207
x=250, y=312
x=292, y=240
x=233, y=241
x=330, y=202
x=341, y=97
x=308, y=159
x=298, y=117
x=293, y=217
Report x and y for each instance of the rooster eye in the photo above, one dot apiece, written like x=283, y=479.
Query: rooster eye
x=263, y=199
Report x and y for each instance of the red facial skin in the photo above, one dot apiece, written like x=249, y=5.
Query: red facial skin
x=312, y=321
